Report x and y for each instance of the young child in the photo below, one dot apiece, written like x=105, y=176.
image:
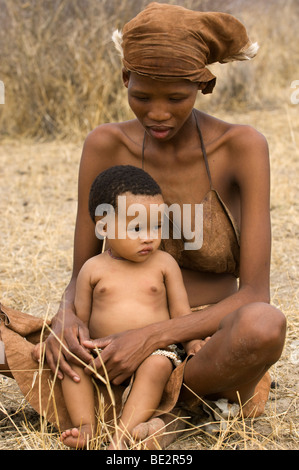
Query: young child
x=129, y=286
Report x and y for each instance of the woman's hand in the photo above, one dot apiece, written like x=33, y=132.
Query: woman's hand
x=66, y=341
x=121, y=354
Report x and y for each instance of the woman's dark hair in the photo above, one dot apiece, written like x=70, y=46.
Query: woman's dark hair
x=118, y=180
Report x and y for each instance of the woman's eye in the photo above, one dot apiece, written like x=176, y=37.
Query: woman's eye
x=176, y=99
x=141, y=98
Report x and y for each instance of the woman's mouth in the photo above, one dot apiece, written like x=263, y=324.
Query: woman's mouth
x=159, y=132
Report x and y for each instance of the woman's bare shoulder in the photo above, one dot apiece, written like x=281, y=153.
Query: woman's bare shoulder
x=229, y=133
x=245, y=136
x=110, y=136
x=243, y=150
x=248, y=152
x=248, y=156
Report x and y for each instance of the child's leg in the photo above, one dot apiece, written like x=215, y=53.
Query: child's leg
x=144, y=398
x=79, y=399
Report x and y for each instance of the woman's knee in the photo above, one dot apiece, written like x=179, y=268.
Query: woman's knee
x=261, y=327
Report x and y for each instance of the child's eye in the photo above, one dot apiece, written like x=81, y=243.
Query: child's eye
x=134, y=228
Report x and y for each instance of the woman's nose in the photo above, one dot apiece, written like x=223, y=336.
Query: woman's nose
x=159, y=113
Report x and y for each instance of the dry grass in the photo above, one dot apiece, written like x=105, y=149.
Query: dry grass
x=62, y=75
x=38, y=189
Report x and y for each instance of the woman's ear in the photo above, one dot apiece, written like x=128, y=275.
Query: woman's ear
x=202, y=85
x=126, y=77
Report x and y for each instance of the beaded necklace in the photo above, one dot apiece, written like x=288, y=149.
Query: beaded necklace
x=115, y=257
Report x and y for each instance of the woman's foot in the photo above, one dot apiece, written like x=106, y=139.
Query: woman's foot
x=256, y=405
x=77, y=438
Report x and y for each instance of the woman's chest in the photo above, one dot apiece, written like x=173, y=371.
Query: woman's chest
x=188, y=183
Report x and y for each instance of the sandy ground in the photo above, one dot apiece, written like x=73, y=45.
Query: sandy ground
x=38, y=194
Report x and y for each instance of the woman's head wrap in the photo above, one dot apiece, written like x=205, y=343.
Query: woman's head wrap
x=171, y=42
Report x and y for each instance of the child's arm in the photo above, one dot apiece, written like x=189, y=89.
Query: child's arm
x=83, y=296
x=178, y=303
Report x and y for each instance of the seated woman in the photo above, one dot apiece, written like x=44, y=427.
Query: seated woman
x=196, y=159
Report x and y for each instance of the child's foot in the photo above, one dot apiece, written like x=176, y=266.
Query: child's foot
x=77, y=438
x=159, y=433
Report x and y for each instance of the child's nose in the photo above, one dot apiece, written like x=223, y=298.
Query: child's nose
x=147, y=236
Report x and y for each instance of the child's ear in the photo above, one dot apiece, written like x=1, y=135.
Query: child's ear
x=101, y=229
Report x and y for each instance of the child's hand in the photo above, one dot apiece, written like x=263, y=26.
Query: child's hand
x=192, y=347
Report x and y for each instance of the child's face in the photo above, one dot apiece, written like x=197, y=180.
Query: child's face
x=138, y=221
x=161, y=107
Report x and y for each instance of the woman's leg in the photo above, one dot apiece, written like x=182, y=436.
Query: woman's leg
x=238, y=355
x=231, y=364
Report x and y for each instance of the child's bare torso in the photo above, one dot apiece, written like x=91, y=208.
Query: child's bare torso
x=127, y=295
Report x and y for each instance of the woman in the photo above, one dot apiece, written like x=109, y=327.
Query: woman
x=196, y=159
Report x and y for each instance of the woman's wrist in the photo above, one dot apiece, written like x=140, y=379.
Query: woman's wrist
x=66, y=306
x=158, y=335
x=177, y=330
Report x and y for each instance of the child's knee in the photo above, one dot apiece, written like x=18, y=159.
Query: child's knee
x=157, y=367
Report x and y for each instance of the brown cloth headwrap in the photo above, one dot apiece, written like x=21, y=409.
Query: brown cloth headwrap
x=171, y=42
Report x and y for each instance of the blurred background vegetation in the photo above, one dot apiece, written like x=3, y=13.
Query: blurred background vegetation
x=62, y=75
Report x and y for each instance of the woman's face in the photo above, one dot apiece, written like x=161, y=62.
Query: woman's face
x=161, y=107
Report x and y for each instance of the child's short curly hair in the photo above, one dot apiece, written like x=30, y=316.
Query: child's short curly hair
x=118, y=180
